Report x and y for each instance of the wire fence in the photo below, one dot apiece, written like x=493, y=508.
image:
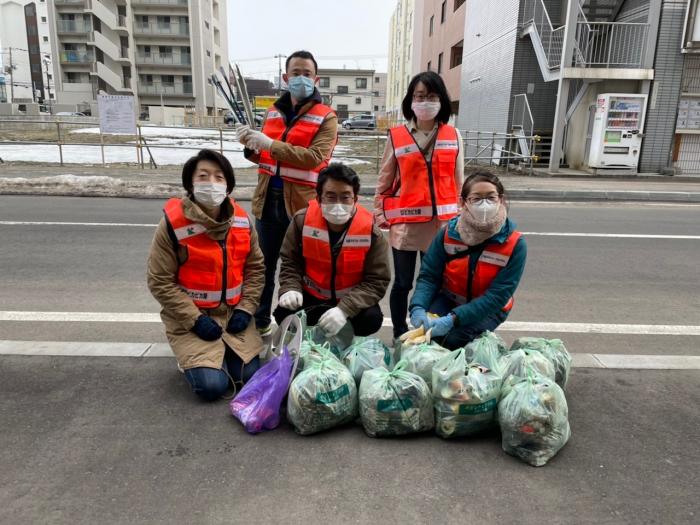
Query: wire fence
x=480, y=148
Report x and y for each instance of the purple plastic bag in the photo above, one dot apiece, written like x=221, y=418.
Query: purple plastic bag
x=257, y=405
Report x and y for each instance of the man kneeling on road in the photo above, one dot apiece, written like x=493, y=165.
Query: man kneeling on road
x=335, y=262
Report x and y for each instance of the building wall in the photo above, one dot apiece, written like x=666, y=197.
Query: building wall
x=445, y=35
x=665, y=90
x=13, y=34
x=348, y=78
x=401, y=30
x=380, y=92
x=487, y=67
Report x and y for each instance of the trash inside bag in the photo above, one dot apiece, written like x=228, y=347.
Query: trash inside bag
x=367, y=353
x=487, y=351
x=322, y=396
x=338, y=343
x=534, y=420
x=257, y=405
x=552, y=349
x=465, y=396
x=394, y=403
x=310, y=352
x=421, y=358
x=520, y=364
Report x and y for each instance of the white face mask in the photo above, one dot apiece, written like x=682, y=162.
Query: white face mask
x=426, y=110
x=337, y=213
x=209, y=194
x=483, y=210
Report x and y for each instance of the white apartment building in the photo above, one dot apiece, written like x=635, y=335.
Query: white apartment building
x=161, y=51
x=25, y=48
x=380, y=94
x=349, y=92
x=400, y=65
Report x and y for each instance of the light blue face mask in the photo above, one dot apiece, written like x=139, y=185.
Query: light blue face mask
x=301, y=87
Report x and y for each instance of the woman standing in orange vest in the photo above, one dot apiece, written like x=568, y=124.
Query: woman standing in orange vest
x=207, y=272
x=417, y=190
x=472, y=268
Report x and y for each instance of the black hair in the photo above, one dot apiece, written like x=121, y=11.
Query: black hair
x=434, y=84
x=482, y=175
x=341, y=173
x=212, y=156
x=301, y=54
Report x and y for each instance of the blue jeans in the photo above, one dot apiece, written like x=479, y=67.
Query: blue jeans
x=211, y=383
x=459, y=336
x=404, y=271
x=271, y=231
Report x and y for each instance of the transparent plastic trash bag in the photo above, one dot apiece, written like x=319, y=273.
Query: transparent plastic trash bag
x=322, y=396
x=465, y=396
x=394, y=403
x=487, y=351
x=552, y=349
x=421, y=358
x=534, y=420
x=520, y=364
x=338, y=343
x=367, y=353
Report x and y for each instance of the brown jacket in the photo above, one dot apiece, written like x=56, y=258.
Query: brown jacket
x=297, y=196
x=368, y=293
x=178, y=311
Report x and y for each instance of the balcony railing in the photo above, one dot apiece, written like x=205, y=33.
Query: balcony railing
x=73, y=26
x=155, y=28
x=157, y=88
x=160, y=2
x=69, y=2
x=611, y=44
x=77, y=57
x=165, y=60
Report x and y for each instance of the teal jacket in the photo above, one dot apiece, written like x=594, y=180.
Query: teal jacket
x=502, y=288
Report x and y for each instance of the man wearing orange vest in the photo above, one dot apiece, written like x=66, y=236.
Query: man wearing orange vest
x=335, y=261
x=295, y=144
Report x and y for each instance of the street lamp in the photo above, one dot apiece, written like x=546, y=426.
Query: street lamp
x=279, y=73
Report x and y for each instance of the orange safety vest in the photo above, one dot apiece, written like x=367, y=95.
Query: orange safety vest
x=456, y=281
x=324, y=277
x=213, y=269
x=300, y=132
x=427, y=189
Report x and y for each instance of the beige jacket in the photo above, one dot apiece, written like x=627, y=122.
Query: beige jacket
x=178, y=311
x=297, y=196
x=413, y=236
x=366, y=294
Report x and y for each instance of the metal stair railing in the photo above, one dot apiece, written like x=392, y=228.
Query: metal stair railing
x=552, y=39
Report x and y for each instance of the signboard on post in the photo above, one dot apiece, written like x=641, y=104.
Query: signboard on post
x=117, y=114
x=264, y=102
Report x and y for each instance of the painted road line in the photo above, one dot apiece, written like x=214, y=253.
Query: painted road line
x=86, y=349
x=508, y=326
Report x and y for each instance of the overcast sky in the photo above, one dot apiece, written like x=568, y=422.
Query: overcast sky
x=354, y=33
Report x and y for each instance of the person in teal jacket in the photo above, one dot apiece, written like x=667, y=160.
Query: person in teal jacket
x=472, y=268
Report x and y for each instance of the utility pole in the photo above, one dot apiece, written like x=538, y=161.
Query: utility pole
x=279, y=73
x=48, y=86
x=12, y=81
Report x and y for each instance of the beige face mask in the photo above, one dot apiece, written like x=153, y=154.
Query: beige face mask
x=209, y=194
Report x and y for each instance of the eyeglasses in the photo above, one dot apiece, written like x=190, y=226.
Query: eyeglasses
x=430, y=98
x=334, y=199
x=476, y=199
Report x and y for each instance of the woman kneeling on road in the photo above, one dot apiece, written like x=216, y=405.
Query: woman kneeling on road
x=207, y=272
x=472, y=268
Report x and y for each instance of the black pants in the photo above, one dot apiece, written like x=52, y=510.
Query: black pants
x=367, y=322
x=404, y=272
x=271, y=231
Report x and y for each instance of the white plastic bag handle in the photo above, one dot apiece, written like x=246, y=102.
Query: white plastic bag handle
x=294, y=345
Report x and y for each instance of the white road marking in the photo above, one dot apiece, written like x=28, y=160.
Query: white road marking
x=137, y=350
x=508, y=326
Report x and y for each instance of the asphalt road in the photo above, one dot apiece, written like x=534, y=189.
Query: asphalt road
x=83, y=268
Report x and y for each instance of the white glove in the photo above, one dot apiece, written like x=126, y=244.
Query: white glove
x=291, y=300
x=332, y=321
x=258, y=141
x=242, y=131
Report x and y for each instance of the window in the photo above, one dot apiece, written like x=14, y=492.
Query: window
x=206, y=24
x=376, y=80
x=208, y=53
x=165, y=51
x=43, y=19
x=324, y=82
x=147, y=51
x=443, y=11
x=361, y=83
x=168, y=80
x=376, y=108
x=342, y=107
x=432, y=22
x=439, y=63
x=72, y=78
x=342, y=89
x=146, y=79
x=358, y=100
x=458, y=4
x=456, y=54
x=429, y=68
x=46, y=39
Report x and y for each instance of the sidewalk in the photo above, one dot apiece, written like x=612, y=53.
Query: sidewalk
x=131, y=181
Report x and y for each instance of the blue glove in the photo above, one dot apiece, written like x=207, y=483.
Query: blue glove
x=419, y=318
x=442, y=325
x=239, y=321
x=206, y=328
